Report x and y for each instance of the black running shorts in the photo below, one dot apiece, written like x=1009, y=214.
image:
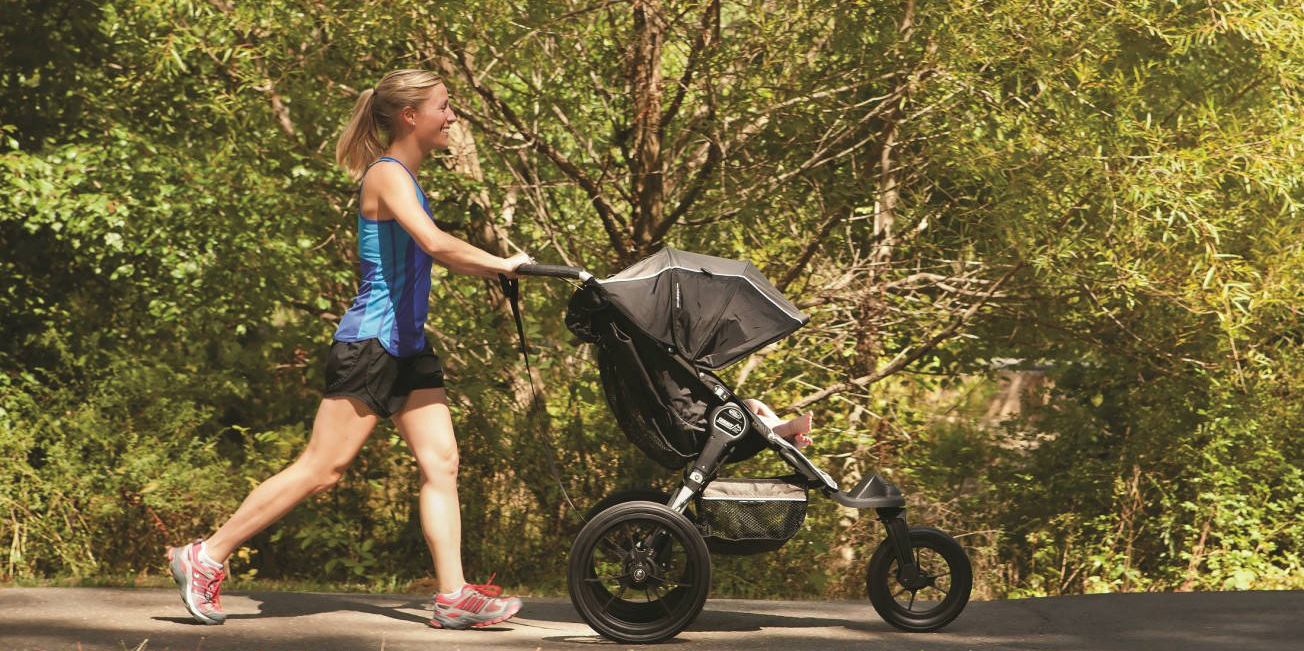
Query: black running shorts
x=366, y=371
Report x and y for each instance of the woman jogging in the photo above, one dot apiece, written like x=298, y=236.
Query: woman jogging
x=380, y=364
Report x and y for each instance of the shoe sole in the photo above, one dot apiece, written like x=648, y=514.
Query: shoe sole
x=180, y=573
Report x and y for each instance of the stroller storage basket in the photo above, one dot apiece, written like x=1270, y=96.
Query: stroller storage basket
x=750, y=516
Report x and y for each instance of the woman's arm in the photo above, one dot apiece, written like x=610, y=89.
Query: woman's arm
x=396, y=197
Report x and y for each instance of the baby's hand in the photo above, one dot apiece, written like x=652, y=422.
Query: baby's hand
x=759, y=408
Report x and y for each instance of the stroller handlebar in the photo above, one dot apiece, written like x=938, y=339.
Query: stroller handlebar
x=555, y=271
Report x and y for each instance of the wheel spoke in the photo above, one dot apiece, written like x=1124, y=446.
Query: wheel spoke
x=898, y=592
x=609, y=553
x=631, y=537
x=666, y=581
x=612, y=548
x=926, y=569
x=912, y=600
x=659, y=600
x=598, y=579
x=613, y=598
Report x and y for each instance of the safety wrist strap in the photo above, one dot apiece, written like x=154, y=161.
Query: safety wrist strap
x=512, y=290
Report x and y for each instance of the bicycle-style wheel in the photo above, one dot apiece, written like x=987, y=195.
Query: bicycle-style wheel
x=939, y=595
x=639, y=572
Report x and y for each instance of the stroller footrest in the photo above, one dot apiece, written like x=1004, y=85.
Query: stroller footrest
x=871, y=493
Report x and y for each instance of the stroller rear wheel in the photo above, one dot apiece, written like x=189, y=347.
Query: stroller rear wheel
x=936, y=597
x=639, y=572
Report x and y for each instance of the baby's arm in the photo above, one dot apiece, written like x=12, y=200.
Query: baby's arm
x=794, y=430
x=761, y=409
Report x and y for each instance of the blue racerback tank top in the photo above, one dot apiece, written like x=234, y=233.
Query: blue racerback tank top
x=394, y=293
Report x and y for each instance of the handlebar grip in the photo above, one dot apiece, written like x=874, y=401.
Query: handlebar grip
x=555, y=271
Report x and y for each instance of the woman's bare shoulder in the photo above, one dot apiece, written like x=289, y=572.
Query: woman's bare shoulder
x=384, y=175
x=386, y=189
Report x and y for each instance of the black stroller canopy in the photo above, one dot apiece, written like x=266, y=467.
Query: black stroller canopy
x=715, y=311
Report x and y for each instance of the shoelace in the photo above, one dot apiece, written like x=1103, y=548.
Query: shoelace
x=213, y=590
x=488, y=588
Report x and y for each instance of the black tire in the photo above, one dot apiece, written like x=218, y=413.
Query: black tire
x=605, y=564
x=627, y=495
x=950, y=576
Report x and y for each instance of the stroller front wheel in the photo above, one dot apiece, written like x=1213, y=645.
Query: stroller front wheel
x=639, y=572
x=942, y=591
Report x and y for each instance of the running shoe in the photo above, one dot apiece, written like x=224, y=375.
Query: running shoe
x=201, y=586
x=474, y=606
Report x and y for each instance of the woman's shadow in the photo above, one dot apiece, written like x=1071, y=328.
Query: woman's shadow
x=298, y=604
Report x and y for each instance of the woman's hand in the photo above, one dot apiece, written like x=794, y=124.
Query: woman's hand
x=510, y=264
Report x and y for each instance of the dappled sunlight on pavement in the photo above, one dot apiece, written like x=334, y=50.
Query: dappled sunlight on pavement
x=155, y=620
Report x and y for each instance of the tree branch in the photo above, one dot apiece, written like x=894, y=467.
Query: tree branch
x=903, y=359
x=707, y=35
x=606, y=212
x=811, y=247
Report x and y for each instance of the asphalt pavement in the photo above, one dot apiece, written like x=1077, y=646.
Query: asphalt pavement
x=87, y=619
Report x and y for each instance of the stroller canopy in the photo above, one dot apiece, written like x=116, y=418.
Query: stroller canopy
x=715, y=311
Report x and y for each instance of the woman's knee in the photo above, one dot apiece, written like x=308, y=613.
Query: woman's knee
x=440, y=464
x=321, y=477
x=327, y=480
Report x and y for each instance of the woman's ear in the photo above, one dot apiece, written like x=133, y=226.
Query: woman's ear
x=408, y=115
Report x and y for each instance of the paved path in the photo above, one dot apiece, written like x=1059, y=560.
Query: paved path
x=154, y=620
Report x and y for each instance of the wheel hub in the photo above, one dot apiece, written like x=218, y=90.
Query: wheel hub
x=913, y=578
x=641, y=569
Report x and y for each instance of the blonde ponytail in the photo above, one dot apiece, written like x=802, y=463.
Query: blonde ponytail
x=358, y=144
x=373, y=115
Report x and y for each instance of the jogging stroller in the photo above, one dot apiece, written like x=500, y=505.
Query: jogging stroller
x=640, y=568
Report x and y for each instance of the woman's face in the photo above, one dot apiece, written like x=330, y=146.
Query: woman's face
x=431, y=119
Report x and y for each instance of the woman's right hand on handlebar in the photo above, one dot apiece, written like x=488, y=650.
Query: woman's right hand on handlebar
x=510, y=264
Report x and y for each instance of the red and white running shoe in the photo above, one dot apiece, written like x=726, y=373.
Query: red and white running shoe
x=201, y=585
x=474, y=606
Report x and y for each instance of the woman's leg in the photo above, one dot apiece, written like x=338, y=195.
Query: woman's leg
x=426, y=425
x=341, y=426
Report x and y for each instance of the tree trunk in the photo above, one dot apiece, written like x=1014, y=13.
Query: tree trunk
x=646, y=164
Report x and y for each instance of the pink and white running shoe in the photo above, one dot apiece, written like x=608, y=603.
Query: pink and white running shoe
x=201, y=586
x=474, y=606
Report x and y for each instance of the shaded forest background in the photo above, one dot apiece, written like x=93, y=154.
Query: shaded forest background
x=1052, y=252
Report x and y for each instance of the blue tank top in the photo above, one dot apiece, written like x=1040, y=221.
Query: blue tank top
x=393, y=295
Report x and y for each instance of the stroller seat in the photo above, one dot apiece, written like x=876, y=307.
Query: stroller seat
x=659, y=400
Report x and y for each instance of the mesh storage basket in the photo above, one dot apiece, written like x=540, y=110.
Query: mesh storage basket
x=750, y=516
